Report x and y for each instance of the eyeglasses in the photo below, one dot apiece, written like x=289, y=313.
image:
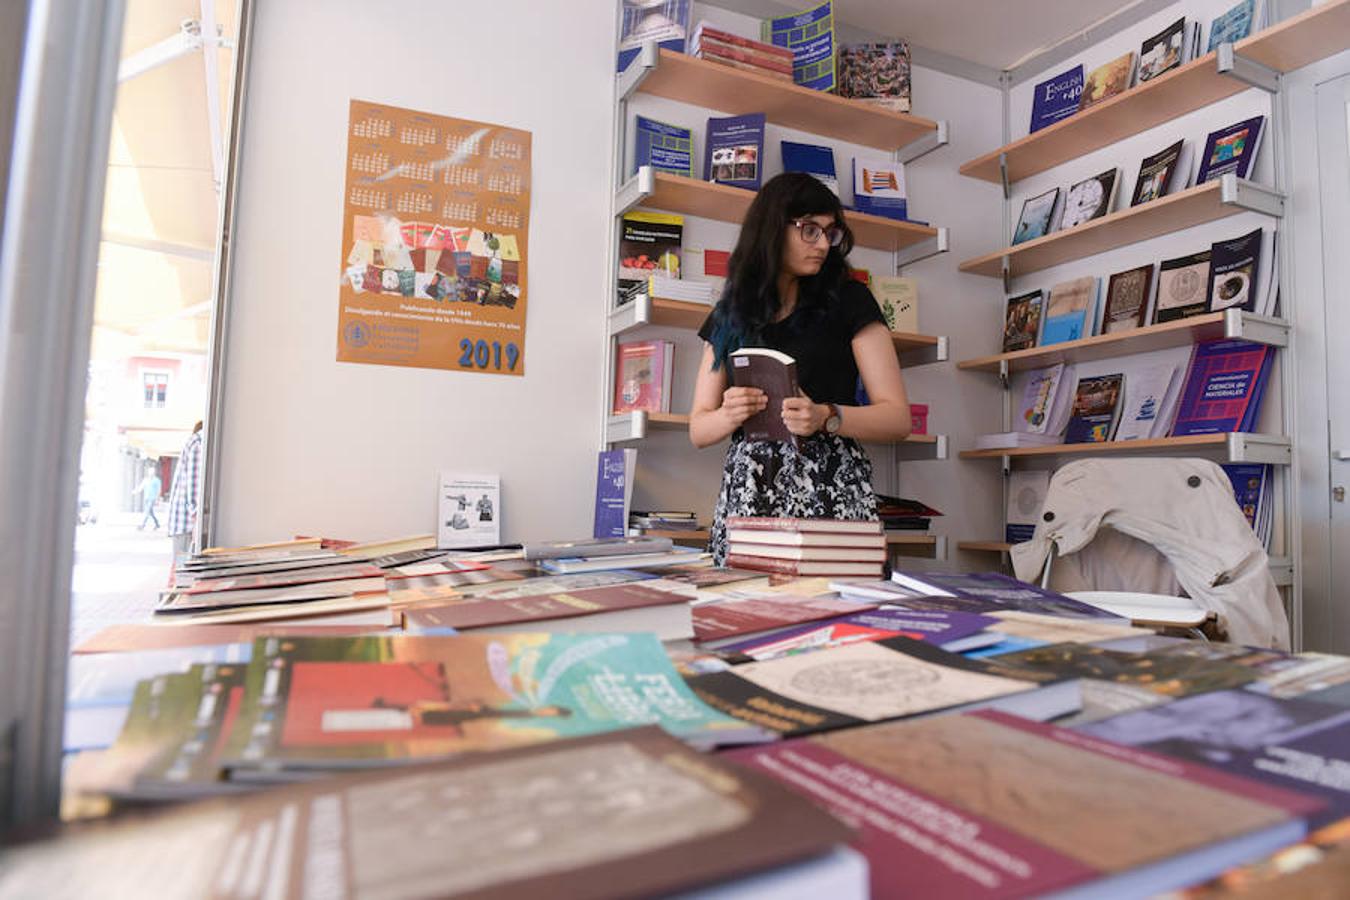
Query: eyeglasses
x=811, y=232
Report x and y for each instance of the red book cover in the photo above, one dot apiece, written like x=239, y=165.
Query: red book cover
x=985, y=804
x=642, y=377
x=540, y=607
x=733, y=618
x=799, y=567
x=707, y=35
x=769, y=65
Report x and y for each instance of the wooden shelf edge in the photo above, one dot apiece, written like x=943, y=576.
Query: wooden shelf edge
x=1190, y=441
x=899, y=537
x=1177, y=333
x=706, y=83
x=984, y=546
x=676, y=534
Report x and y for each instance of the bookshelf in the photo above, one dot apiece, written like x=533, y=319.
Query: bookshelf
x=1288, y=45
x=1232, y=447
x=1231, y=323
x=677, y=194
x=1203, y=203
x=642, y=310
x=676, y=76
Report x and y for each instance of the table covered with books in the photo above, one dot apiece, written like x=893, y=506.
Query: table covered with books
x=619, y=718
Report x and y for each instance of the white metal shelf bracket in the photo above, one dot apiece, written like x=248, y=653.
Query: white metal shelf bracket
x=1259, y=448
x=912, y=450
x=1004, y=373
x=923, y=356
x=926, y=144
x=1282, y=570
x=1260, y=329
x=627, y=427
x=635, y=190
x=1234, y=191
x=922, y=250
x=1003, y=175
x=1248, y=71
x=635, y=313
x=1005, y=269
x=642, y=65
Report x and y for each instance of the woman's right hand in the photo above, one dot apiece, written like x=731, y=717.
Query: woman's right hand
x=740, y=403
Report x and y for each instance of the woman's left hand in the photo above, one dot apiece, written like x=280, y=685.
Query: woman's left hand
x=803, y=416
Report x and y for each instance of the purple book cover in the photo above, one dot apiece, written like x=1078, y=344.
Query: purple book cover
x=1294, y=744
x=733, y=151
x=1224, y=382
x=932, y=626
x=611, y=519
x=983, y=592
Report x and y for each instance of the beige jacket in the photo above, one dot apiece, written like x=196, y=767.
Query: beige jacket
x=1169, y=526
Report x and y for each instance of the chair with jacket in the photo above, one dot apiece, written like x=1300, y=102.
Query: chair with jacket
x=1160, y=527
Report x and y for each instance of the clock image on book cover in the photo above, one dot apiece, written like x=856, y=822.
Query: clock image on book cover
x=1089, y=199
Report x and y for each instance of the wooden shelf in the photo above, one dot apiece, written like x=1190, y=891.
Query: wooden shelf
x=913, y=349
x=701, y=83
x=676, y=193
x=1227, y=324
x=668, y=420
x=700, y=535
x=919, y=538
x=1194, y=206
x=984, y=546
x=1291, y=44
x=1236, y=447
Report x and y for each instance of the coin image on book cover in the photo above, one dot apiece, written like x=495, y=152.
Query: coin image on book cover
x=1231, y=290
x=1088, y=199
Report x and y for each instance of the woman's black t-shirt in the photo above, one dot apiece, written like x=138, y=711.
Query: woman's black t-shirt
x=820, y=342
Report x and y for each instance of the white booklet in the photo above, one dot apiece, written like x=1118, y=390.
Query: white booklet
x=1145, y=402
x=470, y=510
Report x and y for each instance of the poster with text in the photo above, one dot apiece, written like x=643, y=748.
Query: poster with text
x=436, y=220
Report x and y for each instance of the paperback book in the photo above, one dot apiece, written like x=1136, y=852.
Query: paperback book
x=1160, y=174
x=813, y=159
x=1224, y=385
x=1026, y=497
x=879, y=188
x=1089, y=199
x=948, y=630
x=642, y=373
x=1056, y=98
x=649, y=244
x=1144, y=410
x=733, y=148
x=809, y=34
x=373, y=701
x=1037, y=213
x=1096, y=409
x=470, y=510
x=664, y=22
x=775, y=374
x=614, y=492
x=1163, y=52
x=1127, y=295
x=1232, y=149
x=1168, y=674
x=663, y=147
x=986, y=592
x=1071, y=312
x=1234, y=272
x=876, y=73
x=1183, y=285
x=1106, y=81
x=1044, y=406
x=898, y=297
x=730, y=621
x=1022, y=322
x=984, y=804
x=1233, y=25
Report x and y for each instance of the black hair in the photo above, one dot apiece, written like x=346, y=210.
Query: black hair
x=750, y=301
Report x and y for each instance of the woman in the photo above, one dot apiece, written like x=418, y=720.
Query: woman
x=788, y=289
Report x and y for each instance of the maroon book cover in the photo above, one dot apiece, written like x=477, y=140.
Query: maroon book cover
x=540, y=607
x=775, y=374
x=715, y=621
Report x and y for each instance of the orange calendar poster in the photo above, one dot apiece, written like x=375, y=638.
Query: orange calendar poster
x=436, y=221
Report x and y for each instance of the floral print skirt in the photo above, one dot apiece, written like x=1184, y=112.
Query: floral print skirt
x=827, y=477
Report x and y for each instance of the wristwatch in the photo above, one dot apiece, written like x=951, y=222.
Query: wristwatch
x=832, y=421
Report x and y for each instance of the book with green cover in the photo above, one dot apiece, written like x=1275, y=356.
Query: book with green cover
x=810, y=36
x=353, y=702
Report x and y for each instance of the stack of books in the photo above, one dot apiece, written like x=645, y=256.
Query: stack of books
x=806, y=546
x=727, y=49
x=900, y=514
x=668, y=288
x=598, y=554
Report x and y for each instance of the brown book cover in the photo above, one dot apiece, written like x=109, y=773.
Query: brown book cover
x=485, y=613
x=1171, y=675
x=986, y=804
x=711, y=48
x=1127, y=299
x=775, y=374
x=807, y=553
x=1107, y=81
x=629, y=813
x=736, y=618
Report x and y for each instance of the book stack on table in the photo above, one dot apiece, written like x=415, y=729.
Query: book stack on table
x=806, y=546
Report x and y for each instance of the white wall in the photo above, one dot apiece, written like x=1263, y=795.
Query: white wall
x=673, y=475
x=312, y=445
